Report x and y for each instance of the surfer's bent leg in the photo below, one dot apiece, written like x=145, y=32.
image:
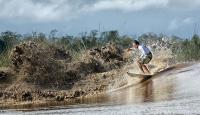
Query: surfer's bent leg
x=146, y=69
x=144, y=60
x=140, y=65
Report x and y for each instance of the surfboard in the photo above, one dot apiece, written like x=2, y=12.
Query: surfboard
x=141, y=76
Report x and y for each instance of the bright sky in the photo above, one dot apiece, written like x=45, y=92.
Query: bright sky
x=132, y=17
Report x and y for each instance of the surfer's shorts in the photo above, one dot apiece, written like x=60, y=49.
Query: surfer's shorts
x=146, y=59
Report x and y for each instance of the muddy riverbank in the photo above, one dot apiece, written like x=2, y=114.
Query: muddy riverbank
x=42, y=74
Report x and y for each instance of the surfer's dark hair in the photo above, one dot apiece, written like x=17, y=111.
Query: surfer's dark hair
x=136, y=42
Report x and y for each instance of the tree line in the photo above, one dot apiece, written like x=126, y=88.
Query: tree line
x=185, y=49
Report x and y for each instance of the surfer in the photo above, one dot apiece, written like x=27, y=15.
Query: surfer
x=144, y=58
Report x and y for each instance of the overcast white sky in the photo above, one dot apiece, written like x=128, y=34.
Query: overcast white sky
x=131, y=17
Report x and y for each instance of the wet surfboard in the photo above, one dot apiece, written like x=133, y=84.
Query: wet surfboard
x=141, y=76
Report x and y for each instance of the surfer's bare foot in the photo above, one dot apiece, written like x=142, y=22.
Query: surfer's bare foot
x=147, y=74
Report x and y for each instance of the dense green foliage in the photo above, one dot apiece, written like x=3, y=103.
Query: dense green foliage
x=184, y=49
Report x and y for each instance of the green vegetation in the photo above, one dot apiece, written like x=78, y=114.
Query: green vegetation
x=184, y=49
x=4, y=60
x=189, y=49
x=7, y=40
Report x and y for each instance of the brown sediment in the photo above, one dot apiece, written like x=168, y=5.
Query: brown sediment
x=43, y=73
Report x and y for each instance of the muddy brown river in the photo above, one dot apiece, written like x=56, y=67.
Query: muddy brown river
x=174, y=91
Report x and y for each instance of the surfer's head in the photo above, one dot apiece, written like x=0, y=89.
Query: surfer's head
x=135, y=43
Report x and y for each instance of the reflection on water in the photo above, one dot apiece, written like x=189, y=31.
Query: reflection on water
x=149, y=91
x=163, y=86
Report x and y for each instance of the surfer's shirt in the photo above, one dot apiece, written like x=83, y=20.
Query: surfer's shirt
x=146, y=54
x=144, y=51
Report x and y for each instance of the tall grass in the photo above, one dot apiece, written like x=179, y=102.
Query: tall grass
x=4, y=59
x=189, y=49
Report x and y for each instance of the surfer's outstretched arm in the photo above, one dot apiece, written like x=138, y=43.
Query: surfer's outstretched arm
x=129, y=49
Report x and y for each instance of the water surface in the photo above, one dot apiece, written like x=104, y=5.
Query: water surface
x=175, y=91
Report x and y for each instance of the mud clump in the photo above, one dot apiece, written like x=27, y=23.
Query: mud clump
x=49, y=66
x=84, y=67
x=46, y=72
x=110, y=55
x=40, y=64
x=27, y=96
x=60, y=98
x=78, y=93
x=3, y=75
x=6, y=78
x=31, y=51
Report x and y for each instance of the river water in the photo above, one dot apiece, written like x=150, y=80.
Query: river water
x=175, y=91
